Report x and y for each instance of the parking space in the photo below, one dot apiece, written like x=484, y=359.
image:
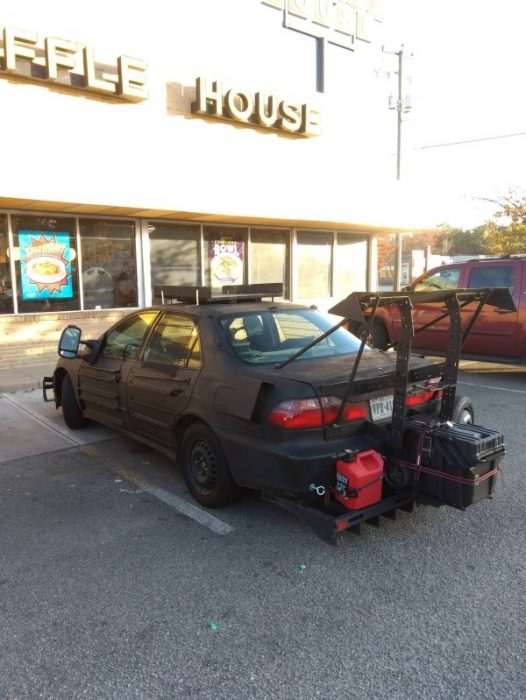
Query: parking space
x=110, y=588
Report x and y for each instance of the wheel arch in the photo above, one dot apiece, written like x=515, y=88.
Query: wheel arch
x=182, y=426
x=58, y=381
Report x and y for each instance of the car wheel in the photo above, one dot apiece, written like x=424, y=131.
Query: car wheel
x=379, y=335
x=463, y=411
x=205, y=468
x=71, y=412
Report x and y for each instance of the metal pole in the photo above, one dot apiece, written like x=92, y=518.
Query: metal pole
x=399, y=109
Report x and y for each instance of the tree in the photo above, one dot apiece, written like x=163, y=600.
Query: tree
x=468, y=242
x=506, y=234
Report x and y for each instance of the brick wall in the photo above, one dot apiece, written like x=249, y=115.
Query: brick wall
x=32, y=338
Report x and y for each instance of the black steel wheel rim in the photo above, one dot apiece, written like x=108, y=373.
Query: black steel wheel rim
x=203, y=467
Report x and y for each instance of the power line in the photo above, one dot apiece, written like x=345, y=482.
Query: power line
x=460, y=143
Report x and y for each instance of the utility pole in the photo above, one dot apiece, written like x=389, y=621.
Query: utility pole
x=399, y=110
x=400, y=104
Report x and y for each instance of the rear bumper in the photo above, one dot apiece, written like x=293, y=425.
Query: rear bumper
x=287, y=466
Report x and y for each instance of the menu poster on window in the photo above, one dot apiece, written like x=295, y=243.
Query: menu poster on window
x=226, y=261
x=45, y=265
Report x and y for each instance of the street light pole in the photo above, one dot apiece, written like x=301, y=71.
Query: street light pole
x=399, y=110
x=400, y=104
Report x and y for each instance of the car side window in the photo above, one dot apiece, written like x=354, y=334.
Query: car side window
x=447, y=278
x=492, y=276
x=174, y=343
x=125, y=340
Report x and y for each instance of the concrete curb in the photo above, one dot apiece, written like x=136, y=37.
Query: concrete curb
x=24, y=378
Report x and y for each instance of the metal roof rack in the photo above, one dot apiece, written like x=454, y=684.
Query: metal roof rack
x=228, y=294
x=492, y=258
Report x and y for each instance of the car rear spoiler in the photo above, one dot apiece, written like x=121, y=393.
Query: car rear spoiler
x=354, y=308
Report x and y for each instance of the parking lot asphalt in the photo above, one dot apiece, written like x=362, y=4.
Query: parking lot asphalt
x=114, y=584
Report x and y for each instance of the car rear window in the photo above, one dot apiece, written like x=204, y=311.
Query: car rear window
x=270, y=336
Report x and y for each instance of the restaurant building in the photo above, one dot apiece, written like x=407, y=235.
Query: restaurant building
x=214, y=142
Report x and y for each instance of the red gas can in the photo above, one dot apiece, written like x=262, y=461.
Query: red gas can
x=359, y=479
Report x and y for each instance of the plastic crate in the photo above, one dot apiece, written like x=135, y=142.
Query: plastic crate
x=458, y=456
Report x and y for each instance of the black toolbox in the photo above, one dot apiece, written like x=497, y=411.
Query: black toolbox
x=458, y=462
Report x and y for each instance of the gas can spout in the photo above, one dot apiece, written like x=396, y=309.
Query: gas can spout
x=319, y=490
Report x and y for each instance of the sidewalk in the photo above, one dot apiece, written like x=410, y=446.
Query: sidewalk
x=24, y=377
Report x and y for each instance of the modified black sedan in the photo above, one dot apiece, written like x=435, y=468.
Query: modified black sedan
x=244, y=392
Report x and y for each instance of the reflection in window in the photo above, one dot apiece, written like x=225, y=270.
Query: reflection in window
x=275, y=335
x=314, y=264
x=109, y=276
x=174, y=343
x=46, y=268
x=387, y=252
x=174, y=254
x=350, y=262
x=269, y=257
x=126, y=339
x=447, y=278
x=6, y=289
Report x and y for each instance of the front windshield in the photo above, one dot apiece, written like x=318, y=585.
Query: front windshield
x=270, y=336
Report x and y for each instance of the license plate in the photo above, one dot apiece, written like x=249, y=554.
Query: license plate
x=381, y=407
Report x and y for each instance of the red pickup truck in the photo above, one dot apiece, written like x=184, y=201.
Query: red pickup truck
x=497, y=335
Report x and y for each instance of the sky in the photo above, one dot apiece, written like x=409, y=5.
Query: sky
x=467, y=89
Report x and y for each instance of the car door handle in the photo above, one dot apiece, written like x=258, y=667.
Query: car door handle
x=176, y=392
x=504, y=311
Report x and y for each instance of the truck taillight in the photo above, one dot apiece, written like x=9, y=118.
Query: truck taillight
x=313, y=413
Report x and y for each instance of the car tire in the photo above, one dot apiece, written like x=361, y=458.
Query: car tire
x=205, y=469
x=379, y=335
x=463, y=411
x=71, y=411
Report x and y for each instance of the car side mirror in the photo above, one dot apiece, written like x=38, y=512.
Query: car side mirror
x=68, y=345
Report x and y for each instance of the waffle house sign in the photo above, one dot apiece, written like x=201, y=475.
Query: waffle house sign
x=341, y=22
x=66, y=63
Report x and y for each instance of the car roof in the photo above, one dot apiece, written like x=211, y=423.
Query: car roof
x=229, y=309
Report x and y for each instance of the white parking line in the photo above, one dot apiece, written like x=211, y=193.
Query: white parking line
x=491, y=386
x=179, y=504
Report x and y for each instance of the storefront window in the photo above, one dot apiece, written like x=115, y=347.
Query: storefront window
x=109, y=276
x=314, y=264
x=6, y=290
x=174, y=254
x=225, y=255
x=269, y=257
x=350, y=262
x=46, y=263
x=387, y=253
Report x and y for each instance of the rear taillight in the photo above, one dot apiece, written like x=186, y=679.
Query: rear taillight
x=419, y=399
x=313, y=413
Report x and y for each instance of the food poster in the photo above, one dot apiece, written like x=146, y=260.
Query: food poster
x=45, y=265
x=226, y=262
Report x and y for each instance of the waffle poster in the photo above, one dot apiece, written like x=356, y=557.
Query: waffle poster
x=45, y=265
x=226, y=261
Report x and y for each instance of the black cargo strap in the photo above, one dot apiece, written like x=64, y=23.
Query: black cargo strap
x=475, y=481
x=354, y=493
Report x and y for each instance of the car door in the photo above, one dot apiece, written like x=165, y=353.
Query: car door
x=160, y=383
x=495, y=332
x=102, y=384
x=442, y=278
